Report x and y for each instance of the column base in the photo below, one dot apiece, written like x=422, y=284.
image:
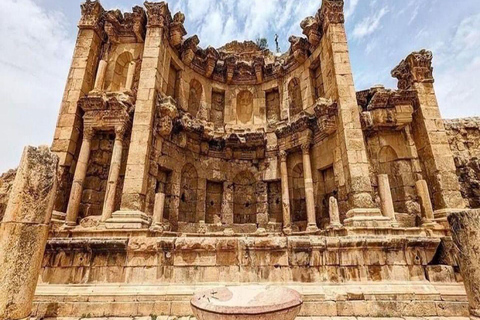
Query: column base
x=335, y=226
x=367, y=218
x=312, y=228
x=128, y=220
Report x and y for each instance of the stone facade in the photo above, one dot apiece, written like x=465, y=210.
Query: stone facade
x=187, y=165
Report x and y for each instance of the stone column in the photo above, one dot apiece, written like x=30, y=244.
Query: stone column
x=425, y=203
x=79, y=178
x=465, y=227
x=354, y=190
x=158, y=209
x=309, y=196
x=100, y=80
x=334, y=213
x=416, y=72
x=386, y=201
x=113, y=175
x=80, y=82
x=151, y=78
x=130, y=75
x=287, y=220
x=227, y=203
x=24, y=231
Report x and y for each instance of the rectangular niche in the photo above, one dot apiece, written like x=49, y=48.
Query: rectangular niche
x=275, y=201
x=164, y=185
x=273, y=106
x=217, y=115
x=317, y=80
x=96, y=178
x=213, y=201
x=326, y=188
x=172, y=82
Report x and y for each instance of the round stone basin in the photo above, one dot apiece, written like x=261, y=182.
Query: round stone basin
x=247, y=302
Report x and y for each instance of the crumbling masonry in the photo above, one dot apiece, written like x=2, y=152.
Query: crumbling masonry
x=196, y=166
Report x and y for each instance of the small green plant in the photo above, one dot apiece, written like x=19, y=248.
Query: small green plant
x=262, y=43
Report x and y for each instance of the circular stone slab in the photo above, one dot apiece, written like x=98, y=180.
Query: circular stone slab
x=247, y=302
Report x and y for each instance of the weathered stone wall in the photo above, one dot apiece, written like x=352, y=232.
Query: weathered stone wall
x=464, y=139
x=6, y=183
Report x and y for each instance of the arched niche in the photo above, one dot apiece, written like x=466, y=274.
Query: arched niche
x=118, y=80
x=188, y=194
x=299, y=204
x=194, y=97
x=295, y=97
x=244, y=106
x=244, y=198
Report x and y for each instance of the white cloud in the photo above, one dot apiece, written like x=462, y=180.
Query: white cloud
x=369, y=24
x=34, y=60
x=458, y=64
x=350, y=8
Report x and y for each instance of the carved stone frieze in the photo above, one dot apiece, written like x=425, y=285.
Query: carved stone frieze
x=158, y=14
x=92, y=15
x=417, y=67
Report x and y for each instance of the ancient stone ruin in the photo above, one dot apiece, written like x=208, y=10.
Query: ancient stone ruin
x=183, y=168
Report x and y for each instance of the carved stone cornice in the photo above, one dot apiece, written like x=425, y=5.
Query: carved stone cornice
x=386, y=108
x=189, y=48
x=302, y=123
x=416, y=68
x=230, y=63
x=331, y=12
x=113, y=22
x=177, y=30
x=258, y=64
x=92, y=16
x=139, y=19
x=310, y=28
x=211, y=61
x=158, y=14
x=326, y=112
x=299, y=48
x=166, y=112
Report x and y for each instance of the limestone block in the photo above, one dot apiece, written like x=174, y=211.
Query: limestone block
x=24, y=231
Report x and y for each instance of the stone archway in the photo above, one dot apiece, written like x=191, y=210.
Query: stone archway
x=244, y=198
x=188, y=194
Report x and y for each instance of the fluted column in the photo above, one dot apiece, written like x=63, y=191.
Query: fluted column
x=79, y=178
x=113, y=175
x=287, y=221
x=309, y=197
x=100, y=79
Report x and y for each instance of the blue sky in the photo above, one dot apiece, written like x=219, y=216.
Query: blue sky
x=38, y=37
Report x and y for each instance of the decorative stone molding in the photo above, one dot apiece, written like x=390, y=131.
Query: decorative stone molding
x=326, y=112
x=331, y=12
x=283, y=155
x=139, y=20
x=92, y=13
x=230, y=63
x=310, y=27
x=177, y=30
x=113, y=21
x=211, y=61
x=130, y=24
x=258, y=64
x=299, y=48
x=158, y=15
x=189, y=48
x=416, y=68
x=386, y=108
x=166, y=112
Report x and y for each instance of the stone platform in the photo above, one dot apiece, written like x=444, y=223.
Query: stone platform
x=367, y=299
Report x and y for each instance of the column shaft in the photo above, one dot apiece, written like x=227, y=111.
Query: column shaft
x=113, y=175
x=309, y=197
x=158, y=209
x=287, y=221
x=386, y=201
x=131, y=73
x=78, y=180
x=100, y=79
